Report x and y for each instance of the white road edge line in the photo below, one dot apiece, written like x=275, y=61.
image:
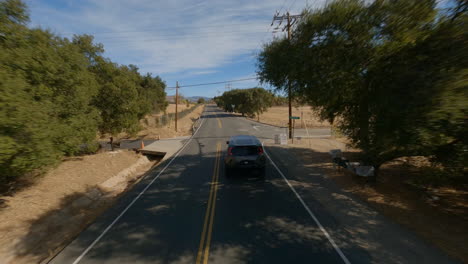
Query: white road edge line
x=77, y=260
x=330, y=239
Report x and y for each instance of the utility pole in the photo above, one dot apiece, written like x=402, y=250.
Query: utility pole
x=290, y=21
x=176, y=103
x=289, y=81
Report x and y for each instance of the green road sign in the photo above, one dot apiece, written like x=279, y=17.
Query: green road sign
x=294, y=117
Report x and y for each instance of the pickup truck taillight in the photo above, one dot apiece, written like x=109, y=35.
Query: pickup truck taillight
x=230, y=151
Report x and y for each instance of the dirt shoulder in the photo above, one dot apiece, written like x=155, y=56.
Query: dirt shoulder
x=439, y=215
x=40, y=218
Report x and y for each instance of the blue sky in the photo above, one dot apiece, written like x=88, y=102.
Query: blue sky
x=180, y=40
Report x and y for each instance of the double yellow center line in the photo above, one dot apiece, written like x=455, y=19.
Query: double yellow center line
x=204, y=248
x=219, y=122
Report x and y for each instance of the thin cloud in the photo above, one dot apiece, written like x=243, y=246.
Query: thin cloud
x=166, y=37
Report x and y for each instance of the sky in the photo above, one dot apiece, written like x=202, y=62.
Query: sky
x=189, y=41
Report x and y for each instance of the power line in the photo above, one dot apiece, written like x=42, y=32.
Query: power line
x=212, y=83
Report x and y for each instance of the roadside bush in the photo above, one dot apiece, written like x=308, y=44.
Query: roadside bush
x=57, y=94
x=390, y=74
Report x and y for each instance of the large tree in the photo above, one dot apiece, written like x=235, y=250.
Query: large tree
x=250, y=102
x=379, y=70
x=45, y=95
x=124, y=96
x=56, y=94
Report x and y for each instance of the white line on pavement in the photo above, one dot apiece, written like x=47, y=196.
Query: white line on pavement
x=330, y=239
x=134, y=200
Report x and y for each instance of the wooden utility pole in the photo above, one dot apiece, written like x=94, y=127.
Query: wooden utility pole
x=289, y=81
x=291, y=20
x=176, y=103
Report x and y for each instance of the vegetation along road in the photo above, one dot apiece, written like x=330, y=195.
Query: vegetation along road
x=385, y=80
x=187, y=211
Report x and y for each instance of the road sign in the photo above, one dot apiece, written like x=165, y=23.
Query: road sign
x=294, y=117
x=281, y=139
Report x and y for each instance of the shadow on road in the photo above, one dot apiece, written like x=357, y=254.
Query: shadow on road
x=256, y=221
x=219, y=115
x=358, y=223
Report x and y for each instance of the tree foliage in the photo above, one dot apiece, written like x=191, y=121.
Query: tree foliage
x=56, y=94
x=250, y=102
x=392, y=74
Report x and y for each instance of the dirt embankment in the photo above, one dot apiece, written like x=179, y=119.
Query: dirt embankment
x=38, y=219
x=439, y=215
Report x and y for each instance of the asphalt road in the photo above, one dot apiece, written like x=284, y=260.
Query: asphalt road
x=186, y=211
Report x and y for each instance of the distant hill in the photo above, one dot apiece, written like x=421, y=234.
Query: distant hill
x=171, y=98
x=195, y=98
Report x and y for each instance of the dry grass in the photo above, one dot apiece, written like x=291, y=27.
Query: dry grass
x=184, y=125
x=278, y=116
x=171, y=107
x=443, y=221
x=151, y=131
x=27, y=209
x=72, y=175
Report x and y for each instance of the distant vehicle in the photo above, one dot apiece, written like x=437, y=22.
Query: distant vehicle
x=244, y=153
